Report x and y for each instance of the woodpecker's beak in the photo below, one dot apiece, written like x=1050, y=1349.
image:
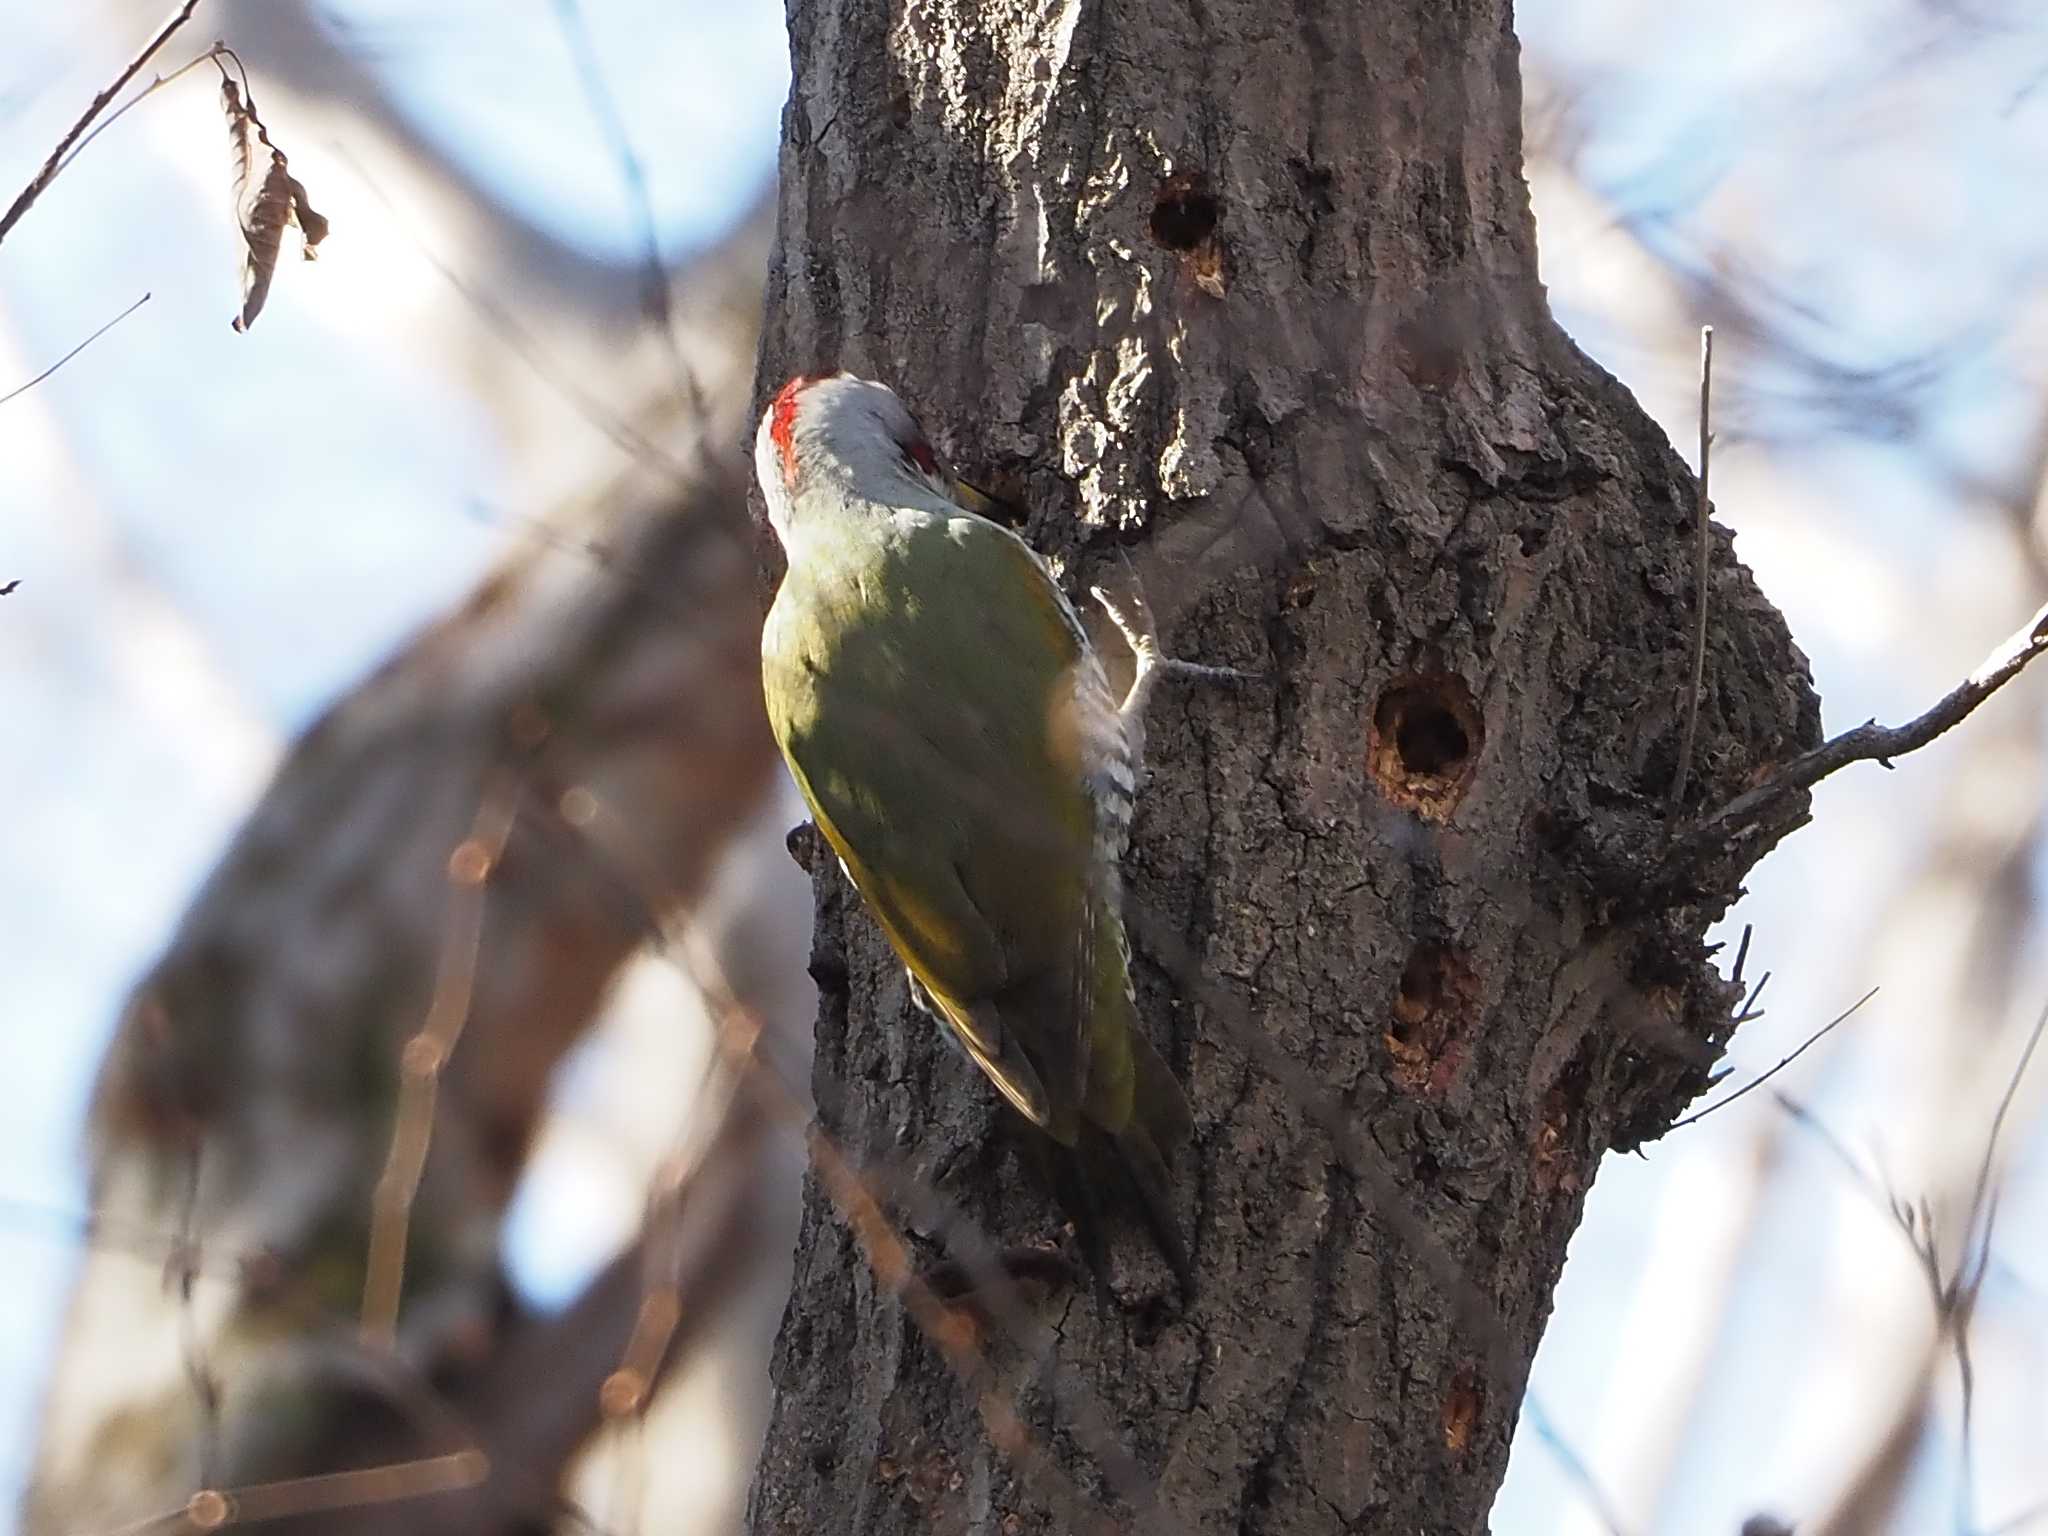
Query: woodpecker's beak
x=982, y=504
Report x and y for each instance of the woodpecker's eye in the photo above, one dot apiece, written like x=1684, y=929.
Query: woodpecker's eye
x=918, y=453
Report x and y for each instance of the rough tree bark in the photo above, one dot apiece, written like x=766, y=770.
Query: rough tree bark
x=1253, y=294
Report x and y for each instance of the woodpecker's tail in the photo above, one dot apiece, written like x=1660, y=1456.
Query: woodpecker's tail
x=1127, y=1170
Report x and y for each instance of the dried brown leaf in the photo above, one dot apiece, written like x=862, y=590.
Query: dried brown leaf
x=265, y=205
x=241, y=136
x=312, y=225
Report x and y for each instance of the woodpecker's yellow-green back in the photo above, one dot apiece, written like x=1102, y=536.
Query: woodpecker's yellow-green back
x=953, y=733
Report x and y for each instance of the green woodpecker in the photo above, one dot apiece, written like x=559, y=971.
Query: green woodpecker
x=955, y=736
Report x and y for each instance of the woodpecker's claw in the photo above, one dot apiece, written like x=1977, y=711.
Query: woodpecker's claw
x=1133, y=618
x=1204, y=672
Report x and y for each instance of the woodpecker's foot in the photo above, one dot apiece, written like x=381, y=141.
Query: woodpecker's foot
x=1132, y=616
x=1202, y=671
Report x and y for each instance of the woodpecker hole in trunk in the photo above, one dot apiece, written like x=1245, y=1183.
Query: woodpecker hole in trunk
x=1423, y=749
x=1185, y=214
x=1462, y=1407
x=1554, y=1167
x=1434, y=1005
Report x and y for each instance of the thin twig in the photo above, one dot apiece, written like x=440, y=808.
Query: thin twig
x=1742, y=956
x=212, y=1508
x=1981, y=1189
x=1972, y=1267
x=950, y=1328
x=22, y=389
x=149, y=90
x=501, y=323
x=1869, y=742
x=991, y=1281
x=50, y=167
x=1699, y=619
x=1758, y=1082
x=626, y=1393
x=654, y=274
x=1954, y=1296
x=470, y=865
x=1817, y=1128
x=519, y=1485
x=953, y=1328
x=1574, y=1465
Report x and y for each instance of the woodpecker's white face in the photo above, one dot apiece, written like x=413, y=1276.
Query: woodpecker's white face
x=836, y=444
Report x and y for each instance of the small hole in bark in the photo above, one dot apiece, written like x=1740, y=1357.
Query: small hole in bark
x=1436, y=1001
x=1424, y=745
x=1185, y=214
x=1555, y=1165
x=1429, y=740
x=1462, y=1406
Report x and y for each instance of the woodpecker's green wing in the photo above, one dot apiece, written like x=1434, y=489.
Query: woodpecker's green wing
x=921, y=676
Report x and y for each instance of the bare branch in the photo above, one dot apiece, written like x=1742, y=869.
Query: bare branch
x=1818, y=1129
x=156, y=84
x=1982, y=1187
x=954, y=1322
x=1869, y=742
x=1876, y=1490
x=338, y=1490
x=51, y=166
x=426, y=1053
x=1811, y=1040
x=1972, y=1266
x=1699, y=626
x=1574, y=1465
x=501, y=323
x=951, y=1328
x=22, y=389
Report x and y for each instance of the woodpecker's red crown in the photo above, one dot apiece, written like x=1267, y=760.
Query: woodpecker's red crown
x=846, y=423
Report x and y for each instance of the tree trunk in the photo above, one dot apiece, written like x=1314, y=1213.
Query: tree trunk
x=1253, y=295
